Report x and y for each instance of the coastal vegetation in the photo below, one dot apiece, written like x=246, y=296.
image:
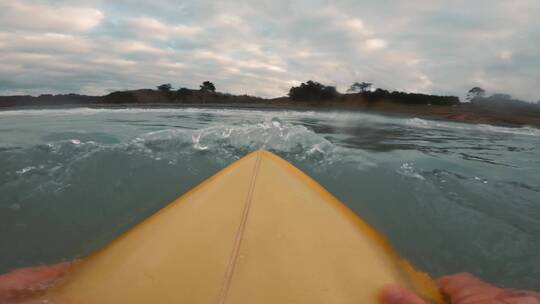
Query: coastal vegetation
x=498, y=108
x=312, y=90
x=359, y=87
x=475, y=92
x=208, y=87
x=166, y=87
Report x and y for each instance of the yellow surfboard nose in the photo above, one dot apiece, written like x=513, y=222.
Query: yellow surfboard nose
x=259, y=231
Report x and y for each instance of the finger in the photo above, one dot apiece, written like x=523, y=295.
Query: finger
x=24, y=277
x=394, y=294
x=512, y=296
x=22, y=283
x=522, y=300
x=453, y=283
x=457, y=281
x=465, y=286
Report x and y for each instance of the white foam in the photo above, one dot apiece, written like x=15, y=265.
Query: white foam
x=432, y=124
x=25, y=170
x=230, y=141
x=408, y=170
x=268, y=134
x=337, y=116
x=266, y=113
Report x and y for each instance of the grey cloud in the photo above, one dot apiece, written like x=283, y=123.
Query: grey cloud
x=22, y=15
x=264, y=47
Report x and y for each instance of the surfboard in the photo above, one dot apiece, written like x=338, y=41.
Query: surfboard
x=259, y=231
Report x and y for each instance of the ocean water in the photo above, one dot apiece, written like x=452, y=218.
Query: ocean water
x=450, y=197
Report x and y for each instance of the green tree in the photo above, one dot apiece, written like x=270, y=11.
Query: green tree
x=184, y=92
x=312, y=90
x=476, y=92
x=207, y=86
x=359, y=87
x=166, y=87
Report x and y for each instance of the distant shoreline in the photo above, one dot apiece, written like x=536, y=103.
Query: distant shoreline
x=456, y=112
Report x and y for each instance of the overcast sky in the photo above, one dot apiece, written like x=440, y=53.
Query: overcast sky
x=264, y=47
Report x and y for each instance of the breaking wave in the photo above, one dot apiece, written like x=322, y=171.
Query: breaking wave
x=225, y=143
x=432, y=124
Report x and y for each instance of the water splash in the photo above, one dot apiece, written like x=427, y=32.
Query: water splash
x=432, y=124
x=233, y=141
x=408, y=170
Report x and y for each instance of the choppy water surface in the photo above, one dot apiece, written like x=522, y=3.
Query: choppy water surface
x=451, y=197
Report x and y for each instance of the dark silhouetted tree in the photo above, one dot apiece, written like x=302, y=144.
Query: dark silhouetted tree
x=184, y=92
x=207, y=86
x=372, y=97
x=312, y=90
x=359, y=87
x=166, y=87
x=329, y=92
x=476, y=92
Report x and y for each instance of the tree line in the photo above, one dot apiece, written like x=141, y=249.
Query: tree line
x=315, y=91
x=207, y=87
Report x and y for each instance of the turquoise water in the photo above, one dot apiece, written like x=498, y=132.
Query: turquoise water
x=450, y=197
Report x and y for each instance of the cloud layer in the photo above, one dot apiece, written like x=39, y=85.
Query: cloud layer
x=263, y=47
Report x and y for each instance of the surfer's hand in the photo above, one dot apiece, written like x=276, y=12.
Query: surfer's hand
x=395, y=294
x=21, y=284
x=463, y=288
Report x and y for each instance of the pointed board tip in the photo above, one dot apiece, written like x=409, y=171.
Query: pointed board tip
x=417, y=280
